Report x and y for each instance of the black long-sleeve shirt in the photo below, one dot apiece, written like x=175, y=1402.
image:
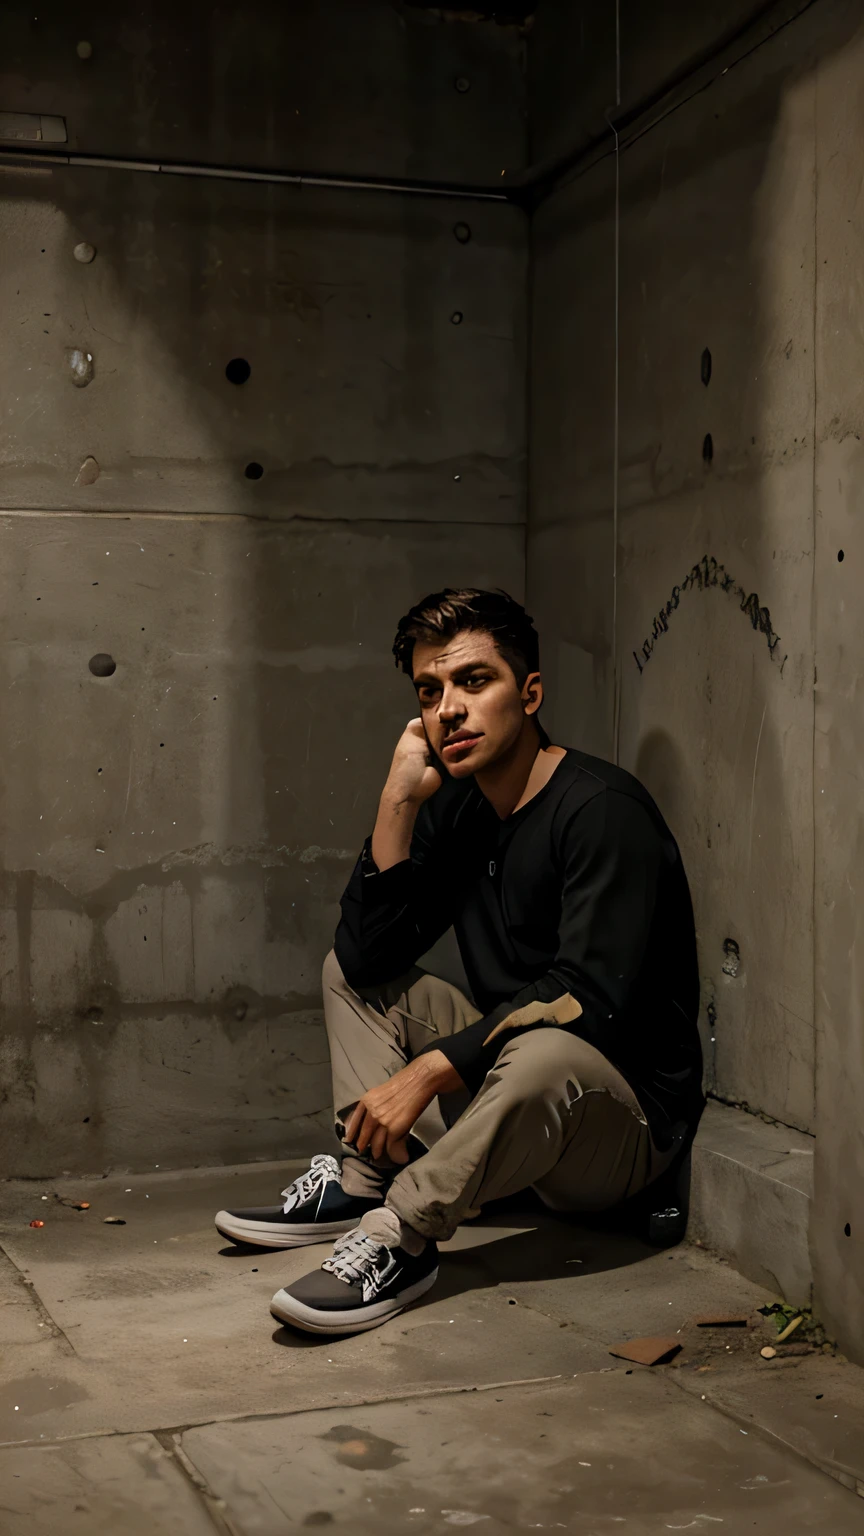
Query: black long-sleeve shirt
x=582, y=891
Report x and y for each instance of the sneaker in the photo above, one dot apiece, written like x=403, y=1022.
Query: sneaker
x=316, y=1210
x=362, y=1284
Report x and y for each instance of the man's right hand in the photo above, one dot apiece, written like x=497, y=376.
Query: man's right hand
x=411, y=780
x=413, y=776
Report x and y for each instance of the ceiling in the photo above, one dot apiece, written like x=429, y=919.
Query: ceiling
x=502, y=11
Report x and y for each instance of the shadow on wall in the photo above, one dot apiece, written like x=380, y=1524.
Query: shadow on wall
x=716, y=462
x=178, y=831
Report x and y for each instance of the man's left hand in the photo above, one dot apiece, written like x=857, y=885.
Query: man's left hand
x=381, y=1120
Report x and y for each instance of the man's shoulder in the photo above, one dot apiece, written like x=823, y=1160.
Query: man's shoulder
x=590, y=777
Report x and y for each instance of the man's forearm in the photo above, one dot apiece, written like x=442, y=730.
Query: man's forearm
x=394, y=828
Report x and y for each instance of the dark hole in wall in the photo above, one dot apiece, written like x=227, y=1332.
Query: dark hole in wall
x=102, y=665
x=253, y=471
x=237, y=371
x=708, y=448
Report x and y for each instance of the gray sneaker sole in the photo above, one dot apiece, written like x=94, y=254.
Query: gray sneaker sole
x=287, y=1309
x=272, y=1234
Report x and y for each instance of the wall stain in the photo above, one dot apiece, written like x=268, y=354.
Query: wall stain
x=25, y=887
x=708, y=572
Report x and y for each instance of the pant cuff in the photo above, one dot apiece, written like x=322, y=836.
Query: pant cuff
x=435, y=1221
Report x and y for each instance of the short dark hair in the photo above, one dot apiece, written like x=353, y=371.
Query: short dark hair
x=443, y=615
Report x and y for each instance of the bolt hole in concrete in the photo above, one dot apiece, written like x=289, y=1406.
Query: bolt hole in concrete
x=841, y=556
x=237, y=371
x=732, y=958
x=457, y=317
x=253, y=471
x=102, y=666
x=708, y=448
x=848, y=1230
x=462, y=233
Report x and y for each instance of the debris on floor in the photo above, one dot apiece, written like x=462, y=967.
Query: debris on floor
x=646, y=1351
x=722, y=1320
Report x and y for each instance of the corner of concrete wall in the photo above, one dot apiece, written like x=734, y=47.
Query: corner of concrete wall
x=709, y=595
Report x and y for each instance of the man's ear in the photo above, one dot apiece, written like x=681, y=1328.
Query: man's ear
x=532, y=693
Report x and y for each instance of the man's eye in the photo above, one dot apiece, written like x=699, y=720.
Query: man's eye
x=476, y=682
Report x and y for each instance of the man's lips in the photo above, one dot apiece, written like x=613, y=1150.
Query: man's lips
x=463, y=741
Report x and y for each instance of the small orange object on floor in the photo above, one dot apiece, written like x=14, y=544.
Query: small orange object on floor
x=37, y=1223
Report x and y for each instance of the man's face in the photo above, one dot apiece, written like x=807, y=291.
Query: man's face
x=471, y=705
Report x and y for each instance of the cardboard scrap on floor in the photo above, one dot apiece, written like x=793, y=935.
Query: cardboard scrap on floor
x=646, y=1351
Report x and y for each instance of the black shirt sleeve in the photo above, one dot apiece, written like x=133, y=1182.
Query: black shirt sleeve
x=391, y=917
x=611, y=854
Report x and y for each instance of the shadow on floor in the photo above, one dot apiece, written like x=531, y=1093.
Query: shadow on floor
x=488, y=1254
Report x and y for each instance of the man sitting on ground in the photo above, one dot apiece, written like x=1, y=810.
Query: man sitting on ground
x=576, y=1070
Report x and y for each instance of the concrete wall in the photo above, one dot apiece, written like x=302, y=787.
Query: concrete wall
x=346, y=86
x=686, y=625
x=176, y=834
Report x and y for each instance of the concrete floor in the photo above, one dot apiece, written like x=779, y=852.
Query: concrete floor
x=144, y=1386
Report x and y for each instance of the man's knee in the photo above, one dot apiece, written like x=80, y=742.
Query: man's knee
x=537, y=1063
x=545, y=1062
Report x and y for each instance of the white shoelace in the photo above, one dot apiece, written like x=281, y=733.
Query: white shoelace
x=323, y=1170
x=353, y=1256
x=356, y=1257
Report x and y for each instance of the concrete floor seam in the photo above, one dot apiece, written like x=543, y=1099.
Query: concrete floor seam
x=212, y=1504
x=29, y=1288
x=845, y=1476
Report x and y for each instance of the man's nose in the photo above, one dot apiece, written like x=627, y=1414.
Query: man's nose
x=451, y=707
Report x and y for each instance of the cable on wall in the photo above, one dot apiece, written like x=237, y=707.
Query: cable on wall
x=616, y=681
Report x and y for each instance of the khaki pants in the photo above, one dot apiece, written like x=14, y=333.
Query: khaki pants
x=553, y=1113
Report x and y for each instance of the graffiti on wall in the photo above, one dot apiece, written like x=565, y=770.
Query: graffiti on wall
x=708, y=572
